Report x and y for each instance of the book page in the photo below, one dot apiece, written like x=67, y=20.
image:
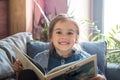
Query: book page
x=61, y=67
x=86, y=68
x=27, y=64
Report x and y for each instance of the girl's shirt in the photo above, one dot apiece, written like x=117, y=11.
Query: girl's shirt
x=50, y=59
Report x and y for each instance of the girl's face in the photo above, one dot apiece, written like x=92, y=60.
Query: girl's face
x=64, y=37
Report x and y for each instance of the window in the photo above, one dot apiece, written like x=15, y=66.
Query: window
x=80, y=10
x=111, y=14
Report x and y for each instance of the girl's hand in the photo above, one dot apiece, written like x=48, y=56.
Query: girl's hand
x=17, y=66
x=98, y=77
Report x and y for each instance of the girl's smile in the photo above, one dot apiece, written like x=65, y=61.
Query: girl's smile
x=63, y=42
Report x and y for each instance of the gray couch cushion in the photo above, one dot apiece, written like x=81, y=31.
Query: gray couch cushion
x=5, y=65
x=6, y=60
x=98, y=47
x=7, y=55
x=19, y=39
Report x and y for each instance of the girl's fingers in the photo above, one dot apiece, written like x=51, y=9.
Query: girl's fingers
x=17, y=66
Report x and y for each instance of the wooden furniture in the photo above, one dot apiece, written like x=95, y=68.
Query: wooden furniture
x=20, y=16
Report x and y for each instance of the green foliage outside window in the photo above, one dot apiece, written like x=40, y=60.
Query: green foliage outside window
x=113, y=45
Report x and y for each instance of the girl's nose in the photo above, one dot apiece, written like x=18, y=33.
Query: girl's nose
x=64, y=36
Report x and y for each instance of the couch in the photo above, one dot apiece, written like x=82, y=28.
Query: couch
x=7, y=54
x=24, y=41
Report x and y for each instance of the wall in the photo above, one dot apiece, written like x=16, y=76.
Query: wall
x=29, y=15
x=3, y=18
x=54, y=7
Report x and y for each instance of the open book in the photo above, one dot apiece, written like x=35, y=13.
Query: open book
x=79, y=70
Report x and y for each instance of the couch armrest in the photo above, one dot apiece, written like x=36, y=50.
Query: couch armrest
x=7, y=55
x=113, y=71
x=19, y=39
x=6, y=69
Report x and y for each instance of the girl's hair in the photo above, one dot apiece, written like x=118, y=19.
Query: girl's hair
x=62, y=18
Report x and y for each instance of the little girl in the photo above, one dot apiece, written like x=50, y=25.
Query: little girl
x=63, y=35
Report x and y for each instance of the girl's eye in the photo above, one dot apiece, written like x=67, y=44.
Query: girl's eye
x=70, y=33
x=58, y=32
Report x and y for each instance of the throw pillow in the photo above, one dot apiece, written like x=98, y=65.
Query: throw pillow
x=34, y=47
x=99, y=48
